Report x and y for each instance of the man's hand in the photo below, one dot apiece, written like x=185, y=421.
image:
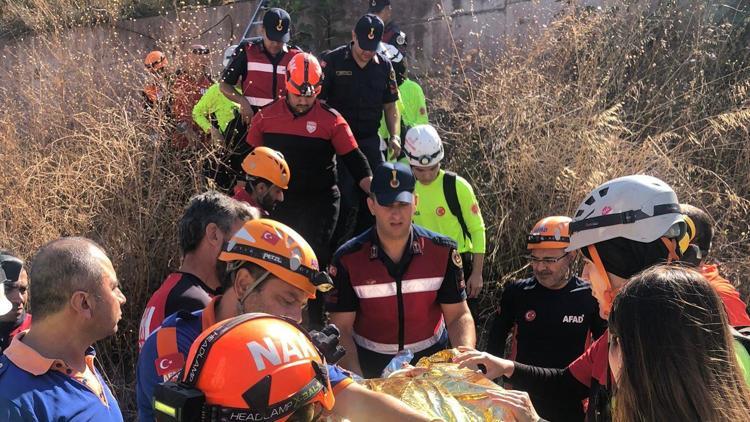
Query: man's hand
x=216, y=135
x=246, y=111
x=365, y=183
x=474, y=284
x=495, y=367
x=394, y=145
x=516, y=403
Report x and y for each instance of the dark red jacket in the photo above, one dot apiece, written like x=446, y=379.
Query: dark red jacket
x=309, y=142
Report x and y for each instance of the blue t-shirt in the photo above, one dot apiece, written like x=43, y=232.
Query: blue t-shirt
x=52, y=396
x=153, y=369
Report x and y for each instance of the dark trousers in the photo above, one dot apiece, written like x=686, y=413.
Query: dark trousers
x=468, y=261
x=313, y=216
x=373, y=363
x=226, y=168
x=355, y=217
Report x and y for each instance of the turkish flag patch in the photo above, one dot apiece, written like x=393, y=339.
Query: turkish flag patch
x=271, y=238
x=169, y=364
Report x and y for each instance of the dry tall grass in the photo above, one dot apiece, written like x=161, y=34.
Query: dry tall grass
x=599, y=95
x=602, y=95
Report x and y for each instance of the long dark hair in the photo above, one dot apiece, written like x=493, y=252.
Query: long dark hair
x=678, y=359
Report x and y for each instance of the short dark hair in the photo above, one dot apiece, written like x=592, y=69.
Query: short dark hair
x=204, y=209
x=704, y=229
x=255, y=270
x=59, y=269
x=254, y=181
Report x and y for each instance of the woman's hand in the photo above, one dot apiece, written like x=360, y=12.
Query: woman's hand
x=516, y=404
x=493, y=366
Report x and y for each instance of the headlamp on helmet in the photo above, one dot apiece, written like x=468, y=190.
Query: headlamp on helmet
x=304, y=75
x=273, y=392
x=423, y=146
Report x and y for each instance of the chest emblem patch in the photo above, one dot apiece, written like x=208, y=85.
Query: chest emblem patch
x=530, y=315
x=311, y=127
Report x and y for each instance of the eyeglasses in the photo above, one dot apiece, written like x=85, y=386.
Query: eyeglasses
x=546, y=260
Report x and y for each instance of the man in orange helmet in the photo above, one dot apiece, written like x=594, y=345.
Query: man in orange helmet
x=266, y=382
x=190, y=83
x=310, y=135
x=273, y=270
x=552, y=315
x=156, y=90
x=267, y=178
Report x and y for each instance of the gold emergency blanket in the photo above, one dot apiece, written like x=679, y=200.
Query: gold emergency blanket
x=444, y=391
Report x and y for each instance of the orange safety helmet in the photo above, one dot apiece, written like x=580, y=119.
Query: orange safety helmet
x=550, y=233
x=304, y=76
x=155, y=60
x=268, y=164
x=257, y=365
x=279, y=250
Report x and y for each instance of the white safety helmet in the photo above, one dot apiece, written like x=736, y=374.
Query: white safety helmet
x=423, y=146
x=228, y=53
x=390, y=52
x=640, y=208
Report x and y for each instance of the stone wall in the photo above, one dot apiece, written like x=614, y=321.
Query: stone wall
x=438, y=30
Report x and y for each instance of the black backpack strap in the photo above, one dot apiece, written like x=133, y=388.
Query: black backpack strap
x=451, y=197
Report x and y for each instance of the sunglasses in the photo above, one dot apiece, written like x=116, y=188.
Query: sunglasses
x=201, y=51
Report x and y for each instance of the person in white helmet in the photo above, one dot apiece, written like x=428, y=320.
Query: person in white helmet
x=220, y=118
x=447, y=205
x=623, y=226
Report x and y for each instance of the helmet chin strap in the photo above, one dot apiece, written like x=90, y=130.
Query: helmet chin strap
x=609, y=292
x=672, y=246
x=250, y=288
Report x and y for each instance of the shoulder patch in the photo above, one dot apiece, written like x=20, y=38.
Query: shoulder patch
x=436, y=238
x=168, y=366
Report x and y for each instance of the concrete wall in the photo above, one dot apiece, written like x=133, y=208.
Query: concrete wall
x=438, y=30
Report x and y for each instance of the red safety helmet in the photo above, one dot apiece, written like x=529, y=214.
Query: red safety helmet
x=304, y=76
x=251, y=367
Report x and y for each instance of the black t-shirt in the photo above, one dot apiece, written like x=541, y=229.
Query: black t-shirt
x=550, y=329
x=358, y=93
x=179, y=292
